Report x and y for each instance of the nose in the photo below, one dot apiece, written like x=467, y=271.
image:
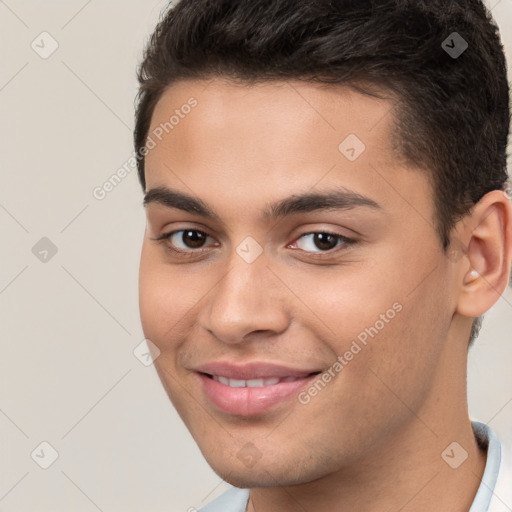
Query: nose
x=249, y=299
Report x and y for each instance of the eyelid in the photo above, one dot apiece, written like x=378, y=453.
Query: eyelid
x=168, y=235
x=346, y=241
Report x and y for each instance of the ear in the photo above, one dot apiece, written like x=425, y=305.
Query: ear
x=485, y=270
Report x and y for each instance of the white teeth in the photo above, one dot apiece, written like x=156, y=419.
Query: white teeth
x=235, y=383
x=251, y=383
x=254, y=383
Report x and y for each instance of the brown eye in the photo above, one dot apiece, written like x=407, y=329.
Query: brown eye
x=325, y=241
x=193, y=239
x=321, y=241
x=185, y=239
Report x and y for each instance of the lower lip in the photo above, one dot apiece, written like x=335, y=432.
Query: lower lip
x=251, y=401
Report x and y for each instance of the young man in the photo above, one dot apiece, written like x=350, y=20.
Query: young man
x=326, y=223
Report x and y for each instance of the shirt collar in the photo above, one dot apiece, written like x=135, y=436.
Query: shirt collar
x=489, y=440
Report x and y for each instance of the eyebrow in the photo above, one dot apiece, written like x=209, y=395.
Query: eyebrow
x=339, y=199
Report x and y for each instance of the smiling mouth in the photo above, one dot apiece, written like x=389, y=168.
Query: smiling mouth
x=257, y=383
x=262, y=389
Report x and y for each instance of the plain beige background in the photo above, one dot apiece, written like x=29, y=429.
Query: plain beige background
x=69, y=320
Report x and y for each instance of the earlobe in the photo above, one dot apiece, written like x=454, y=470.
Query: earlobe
x=489, y=254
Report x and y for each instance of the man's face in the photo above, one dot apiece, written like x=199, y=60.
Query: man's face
x=265, y=293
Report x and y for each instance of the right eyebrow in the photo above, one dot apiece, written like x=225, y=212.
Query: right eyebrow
x=179, y=200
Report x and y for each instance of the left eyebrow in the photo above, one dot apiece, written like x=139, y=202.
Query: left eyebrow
x=341, y=199
x=309, y=202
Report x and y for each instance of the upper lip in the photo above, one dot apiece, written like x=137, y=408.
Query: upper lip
x=252, y=370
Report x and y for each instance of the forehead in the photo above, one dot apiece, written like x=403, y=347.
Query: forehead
x=266, y=139
x=265, y=109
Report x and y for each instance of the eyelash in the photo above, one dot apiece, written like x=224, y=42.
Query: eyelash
x=195, y=252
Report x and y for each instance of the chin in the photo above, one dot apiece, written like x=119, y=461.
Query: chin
x=265, y=474
x=250, y=479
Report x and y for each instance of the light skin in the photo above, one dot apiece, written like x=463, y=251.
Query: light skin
x=372, y=438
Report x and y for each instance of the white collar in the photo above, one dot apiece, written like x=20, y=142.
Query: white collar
x=495, y=491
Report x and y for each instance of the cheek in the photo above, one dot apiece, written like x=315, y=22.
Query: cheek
x=400, y=363
x=151, y=289
x=164, y=298
x=379, y=320
x=347, y=302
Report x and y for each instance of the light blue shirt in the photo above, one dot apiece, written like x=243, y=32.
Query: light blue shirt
x=494, y=493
